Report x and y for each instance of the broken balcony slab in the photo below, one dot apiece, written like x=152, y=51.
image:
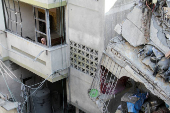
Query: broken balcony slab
x=154, y=38
x=147, y=62
x=136, y=20
x=139, y=70
x=133, y=34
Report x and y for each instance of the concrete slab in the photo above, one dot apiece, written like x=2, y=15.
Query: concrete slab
x=155, y=39
x=136, y=19
x=2, y=102
x=10, y=105
x=132, y=34
x=147, y=62
x=118, y=29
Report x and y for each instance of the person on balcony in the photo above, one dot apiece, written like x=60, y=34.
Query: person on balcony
x=43, y=41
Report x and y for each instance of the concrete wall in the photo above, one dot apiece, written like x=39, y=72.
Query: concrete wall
x=84, y=25
x=28, y=22
x=114, y=15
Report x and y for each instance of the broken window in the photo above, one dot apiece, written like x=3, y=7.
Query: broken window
x=34, y=23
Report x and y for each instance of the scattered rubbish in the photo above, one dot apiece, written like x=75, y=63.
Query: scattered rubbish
x=162, y=66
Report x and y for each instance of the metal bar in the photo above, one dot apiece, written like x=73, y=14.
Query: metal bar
x=48, y=28
x=60, y=21
x=15, y=16
x=4, y=3
x=20, y=16
x=10, y=15
x=35, y=24
x=40, y=20
x=12, y=10
x=40, y=32
x=64, y=25
x=15, y=21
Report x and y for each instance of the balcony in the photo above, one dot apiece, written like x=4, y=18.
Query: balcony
x=35, y=39
x=48, y=4
x=40, y=60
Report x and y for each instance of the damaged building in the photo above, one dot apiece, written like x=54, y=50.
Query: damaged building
x=84, y=55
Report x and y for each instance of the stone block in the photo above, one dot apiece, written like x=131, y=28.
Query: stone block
x=118, y=29
x=132, y=34
x=135, y=17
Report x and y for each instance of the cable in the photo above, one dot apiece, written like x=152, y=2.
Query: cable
x=36, y=90
x=17, y=80
x=39, y=55
x=8, y=86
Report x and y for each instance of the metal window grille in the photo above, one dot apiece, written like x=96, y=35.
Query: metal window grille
x=83, y=58
x=102, y=89
x=13, y=24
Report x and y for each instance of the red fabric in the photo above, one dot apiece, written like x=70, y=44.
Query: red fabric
x=108, y=87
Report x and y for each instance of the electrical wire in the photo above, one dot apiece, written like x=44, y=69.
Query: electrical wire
x=17, y=80
x=13, y=98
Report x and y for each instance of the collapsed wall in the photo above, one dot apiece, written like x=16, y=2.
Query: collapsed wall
x=140, y=52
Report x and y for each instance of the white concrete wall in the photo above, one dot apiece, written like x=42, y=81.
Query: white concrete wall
x=28, y=22
x=115, y=12
x=85, y=26
x=23, y=52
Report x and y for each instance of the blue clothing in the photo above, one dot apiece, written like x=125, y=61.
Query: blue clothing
x=138, y=104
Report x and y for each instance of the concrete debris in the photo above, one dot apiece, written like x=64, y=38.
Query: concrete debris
x=167, y=75
x=167, y=36
x=118, y=29
x=136, y=20
x=148, y=50
x=132, y=34
x=157, y=54
x=162, y=66
x=156, y=40
x=118, y=39
x=148, y=62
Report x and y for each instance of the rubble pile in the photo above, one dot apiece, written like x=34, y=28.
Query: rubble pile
x=139, y=102
x=147, y=26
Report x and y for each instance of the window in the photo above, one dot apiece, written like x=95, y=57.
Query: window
x=13, y=16
x=35, y=23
